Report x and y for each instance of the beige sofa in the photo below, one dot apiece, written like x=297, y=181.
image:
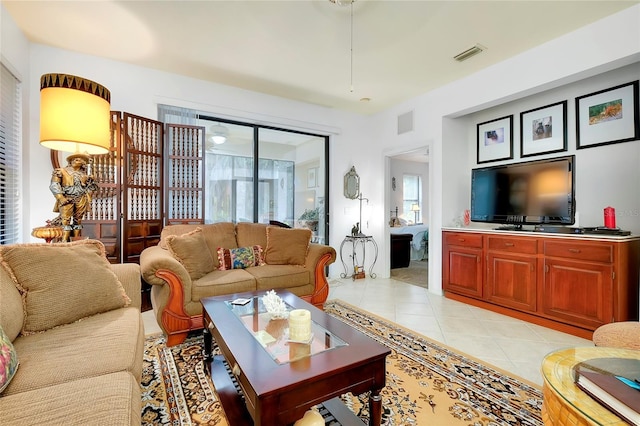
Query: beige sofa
x=186, y=266
x=74, y=322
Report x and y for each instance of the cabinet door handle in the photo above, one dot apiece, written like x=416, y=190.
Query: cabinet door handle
x=574, y=250
x=461, y=240
x=509, y=244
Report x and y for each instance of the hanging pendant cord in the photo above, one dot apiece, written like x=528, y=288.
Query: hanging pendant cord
x=351, y=47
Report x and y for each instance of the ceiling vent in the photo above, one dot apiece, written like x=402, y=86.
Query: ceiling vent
x=463, y=56
x=405, y=122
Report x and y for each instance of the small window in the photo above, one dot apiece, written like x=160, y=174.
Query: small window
x=412, y=198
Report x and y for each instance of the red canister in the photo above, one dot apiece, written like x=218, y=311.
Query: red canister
x=609, y=217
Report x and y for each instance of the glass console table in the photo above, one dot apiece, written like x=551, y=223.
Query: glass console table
x=358, y=256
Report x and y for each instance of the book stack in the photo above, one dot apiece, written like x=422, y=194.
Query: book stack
x=614, y=383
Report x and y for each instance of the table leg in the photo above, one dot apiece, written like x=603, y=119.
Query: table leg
x=208, y=345
x=375, y=408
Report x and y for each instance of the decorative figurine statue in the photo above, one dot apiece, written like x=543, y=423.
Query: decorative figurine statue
x=355, y=231
x=72, y=187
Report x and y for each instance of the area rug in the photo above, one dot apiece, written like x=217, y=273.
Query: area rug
x=427, y=383
x=417, y=273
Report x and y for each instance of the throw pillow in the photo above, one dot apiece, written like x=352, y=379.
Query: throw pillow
x=62, y=283
x=8, y=360
x=287, y=246
x=191, y=250
x=239, y=258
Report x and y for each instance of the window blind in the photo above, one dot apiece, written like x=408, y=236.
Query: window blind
x=10, y=156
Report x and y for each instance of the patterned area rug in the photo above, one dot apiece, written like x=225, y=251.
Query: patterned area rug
x=427, y=383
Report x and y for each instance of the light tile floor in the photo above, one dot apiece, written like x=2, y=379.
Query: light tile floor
x=508, y=343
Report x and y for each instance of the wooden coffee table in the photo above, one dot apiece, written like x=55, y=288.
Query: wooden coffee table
x=280, y=380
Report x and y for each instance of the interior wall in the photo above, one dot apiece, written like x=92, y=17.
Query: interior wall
x=364, y=142
x=139, y=90
x=573, y=57
x=606, y=175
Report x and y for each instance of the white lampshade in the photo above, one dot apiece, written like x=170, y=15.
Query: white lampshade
x=74, y=114
x=415, y=207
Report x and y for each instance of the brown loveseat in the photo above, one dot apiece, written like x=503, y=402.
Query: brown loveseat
x=185, y=267
x=73, y=322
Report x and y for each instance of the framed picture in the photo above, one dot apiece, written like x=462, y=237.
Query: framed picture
x=608, y=116
x=543, y=130
x=312, y=178
x=494, y=140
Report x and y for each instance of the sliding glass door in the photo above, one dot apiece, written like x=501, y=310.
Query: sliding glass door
x=265, y=175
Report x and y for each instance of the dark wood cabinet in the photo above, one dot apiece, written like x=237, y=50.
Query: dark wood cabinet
x=570, y=283
x=511, y=278
x=463, y=265
x=578, y=292
x=511, y=281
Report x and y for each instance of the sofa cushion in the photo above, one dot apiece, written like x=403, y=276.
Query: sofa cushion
x=191, y=251
x=270, y=277
x=110, y=399
x=53, y=280
x=216, y=235
x=12, y=313
x=249, y=234
x=218, y=283
x=239, y=258
x=8, y=360
x=101, y=344
x=287, y=246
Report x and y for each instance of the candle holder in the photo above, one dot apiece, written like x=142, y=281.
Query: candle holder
x=300, y=325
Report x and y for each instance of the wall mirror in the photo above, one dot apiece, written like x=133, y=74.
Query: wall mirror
x=352, y=184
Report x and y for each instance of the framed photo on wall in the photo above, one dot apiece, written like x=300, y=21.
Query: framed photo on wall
x=608, y=116
x=495, y=140
x=312, y=178
x=543, y=130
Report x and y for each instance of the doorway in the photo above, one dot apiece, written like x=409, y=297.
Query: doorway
x=408, y=208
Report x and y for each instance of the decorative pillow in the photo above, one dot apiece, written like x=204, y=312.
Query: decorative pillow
x=191, y=250
x=287, y=246
x=8, y=360
x=239, y=258
x=62, y=283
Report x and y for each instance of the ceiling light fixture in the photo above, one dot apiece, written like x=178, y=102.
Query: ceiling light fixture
x=463, y=56
x=219, y=134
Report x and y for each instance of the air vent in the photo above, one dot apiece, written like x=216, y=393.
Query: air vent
x=463, y=56
x=405, y=122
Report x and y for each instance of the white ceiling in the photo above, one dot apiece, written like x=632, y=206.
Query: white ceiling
x=300, y=49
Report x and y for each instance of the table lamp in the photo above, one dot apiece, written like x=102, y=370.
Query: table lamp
x=415, y=208
x=75, y=117
x=74, y=114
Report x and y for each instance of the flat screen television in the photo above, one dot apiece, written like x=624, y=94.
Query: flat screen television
x=531, y=192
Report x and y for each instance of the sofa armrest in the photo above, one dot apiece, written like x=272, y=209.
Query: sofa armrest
x=159, y=268
x=129, y=275
x=154, y=259
x=318, y=257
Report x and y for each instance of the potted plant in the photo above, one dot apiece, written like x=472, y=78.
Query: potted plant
x=309, y=219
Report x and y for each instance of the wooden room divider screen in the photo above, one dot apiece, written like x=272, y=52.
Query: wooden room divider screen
x=153, y=175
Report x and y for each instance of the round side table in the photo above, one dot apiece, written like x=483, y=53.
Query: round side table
x=566, y=404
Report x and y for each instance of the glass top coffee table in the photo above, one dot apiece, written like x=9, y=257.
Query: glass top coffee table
x=280, y=379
